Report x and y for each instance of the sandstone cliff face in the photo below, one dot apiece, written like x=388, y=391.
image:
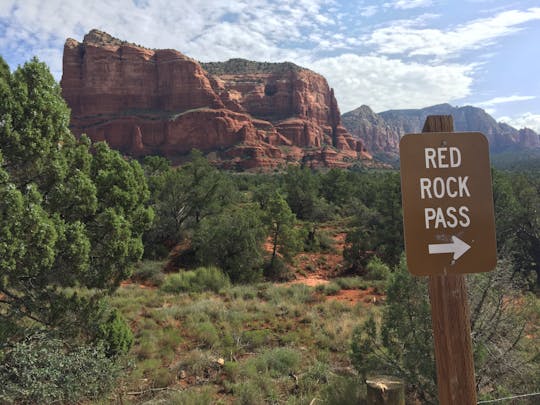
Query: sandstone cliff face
x=144, y=101
x=296, y=101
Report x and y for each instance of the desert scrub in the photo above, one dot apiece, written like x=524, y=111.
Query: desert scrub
x=45, y=369
x=256, y=338
x=279, y=361
x=352, y=283
x=198, y=363
x=191, y=396
x=293, y=294
x=244, y=291
x=329, y=289
x=198, y=280
x=207, y=308
x=377, y=269
x=149, y=271
x=206, y=334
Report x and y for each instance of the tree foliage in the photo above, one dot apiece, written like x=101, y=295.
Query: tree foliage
x=182, y=197
x=517, y=217
x=401, y=344
x=71, y=214
x=42, y=369
x=285, y=239
x=377, y=225
x=233, y=241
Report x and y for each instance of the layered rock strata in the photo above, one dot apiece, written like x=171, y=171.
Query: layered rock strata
x=245, y=114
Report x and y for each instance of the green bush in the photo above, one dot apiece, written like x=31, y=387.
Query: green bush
x=351, y=283
x=277, y=270
x=317, y=240
x=116, y=334
x=149, y=271
x=377, y=269
x=207, y=333
x=277, y=362
x=344, y=390
x=201, y=279
x=43, y=369
x=329, y=289
x=256, y=338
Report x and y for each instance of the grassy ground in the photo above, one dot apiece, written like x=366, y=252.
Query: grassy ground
x=248, y=344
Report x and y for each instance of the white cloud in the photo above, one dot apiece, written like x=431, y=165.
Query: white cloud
x=408, y=4
x=368, y=11
x=502, y=100
x=205, y=29
x=527, y=120
x=402, y=38
x=275, y=30
x=385, y=83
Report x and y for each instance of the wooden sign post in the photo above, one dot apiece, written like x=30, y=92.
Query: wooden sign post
x=449, y=230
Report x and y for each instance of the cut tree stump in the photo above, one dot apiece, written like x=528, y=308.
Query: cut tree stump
x=385, y=390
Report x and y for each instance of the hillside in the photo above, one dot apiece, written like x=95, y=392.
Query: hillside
x=382, y=131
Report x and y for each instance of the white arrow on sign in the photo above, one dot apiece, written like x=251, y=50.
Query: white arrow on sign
x=457, y=247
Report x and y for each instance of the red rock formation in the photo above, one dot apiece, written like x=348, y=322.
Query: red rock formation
x=144, y=101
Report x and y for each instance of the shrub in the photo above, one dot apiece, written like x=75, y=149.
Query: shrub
x=116, y=334
x=232, y=240
x=43, y=369
x=351, y=283
x=277, y=270
x=317, y=240
x=207, y=333
x=329, y=289
x=192, y=396
x=278, y=361
x=201, y=279
x=149, y=271
x=256, y=338
x=377, y=269
x=344, y=390
x=196, y=362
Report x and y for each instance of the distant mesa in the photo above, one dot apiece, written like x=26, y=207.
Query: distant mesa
x=243, y=114
x=381, y=132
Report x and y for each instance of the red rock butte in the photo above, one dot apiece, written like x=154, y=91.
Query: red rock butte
x=242, y=114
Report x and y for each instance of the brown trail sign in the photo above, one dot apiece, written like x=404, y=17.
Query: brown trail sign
x=449, y=230
x=447, y=203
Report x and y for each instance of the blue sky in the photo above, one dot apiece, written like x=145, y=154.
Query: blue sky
x=386, y=54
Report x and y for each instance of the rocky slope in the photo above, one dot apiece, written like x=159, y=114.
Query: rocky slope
x=244, y=114
x=377, y=135
x=381, y=132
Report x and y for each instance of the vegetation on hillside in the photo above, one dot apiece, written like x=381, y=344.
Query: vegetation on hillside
x=244, y=66
x=204, y=317
x=72, y=215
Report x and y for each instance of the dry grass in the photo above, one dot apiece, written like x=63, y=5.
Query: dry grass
x=244, y=344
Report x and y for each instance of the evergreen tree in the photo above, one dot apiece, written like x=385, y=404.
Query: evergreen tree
x=233, y=241
x=71, y=214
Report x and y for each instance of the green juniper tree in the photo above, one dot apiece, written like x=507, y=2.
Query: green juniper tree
x=233, y=241
x=182, y=197
x=285, y=239
x=71, y=216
